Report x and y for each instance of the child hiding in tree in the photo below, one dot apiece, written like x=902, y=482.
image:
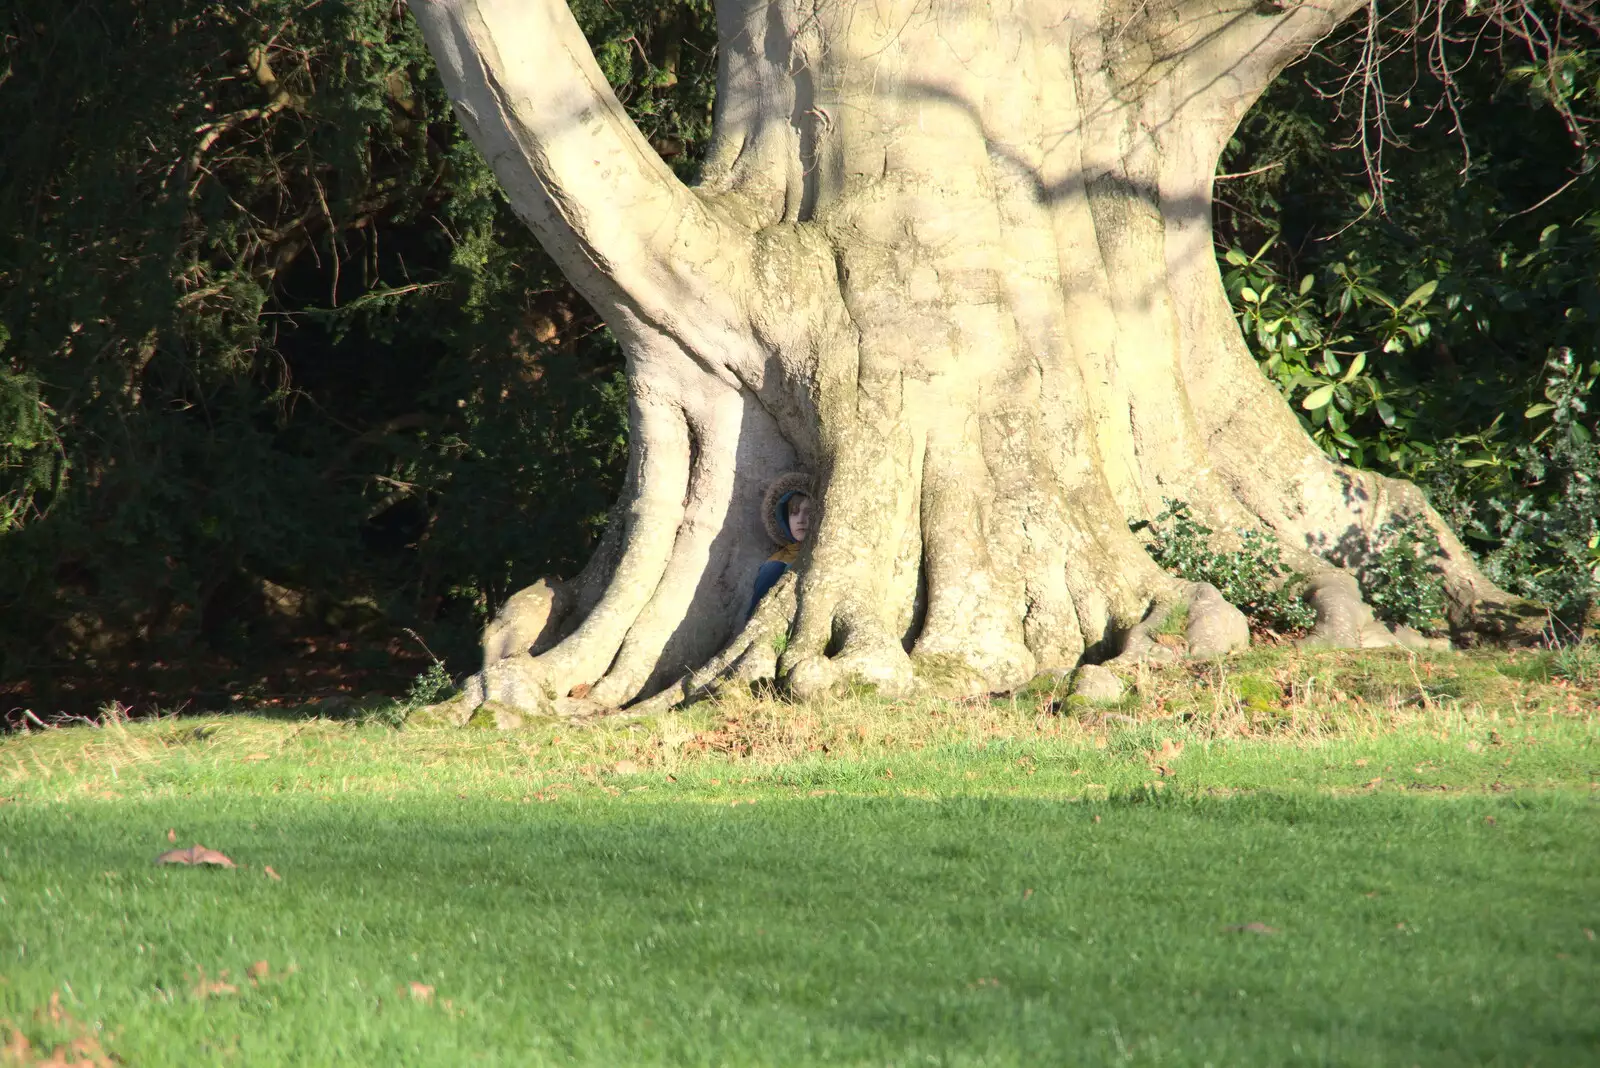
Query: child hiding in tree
x=786, y=511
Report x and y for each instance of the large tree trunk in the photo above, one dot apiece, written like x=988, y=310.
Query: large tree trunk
x=952, y=256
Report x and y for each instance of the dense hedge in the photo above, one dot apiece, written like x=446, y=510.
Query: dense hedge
x=276, y=353
x=275, y=357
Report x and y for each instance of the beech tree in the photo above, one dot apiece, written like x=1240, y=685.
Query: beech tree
x=954, y=259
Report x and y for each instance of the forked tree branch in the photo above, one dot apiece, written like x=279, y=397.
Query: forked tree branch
x=619, y=223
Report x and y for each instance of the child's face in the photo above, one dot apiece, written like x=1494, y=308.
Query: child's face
x=800, y=517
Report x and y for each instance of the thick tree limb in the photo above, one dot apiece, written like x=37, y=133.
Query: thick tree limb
x=616, y=219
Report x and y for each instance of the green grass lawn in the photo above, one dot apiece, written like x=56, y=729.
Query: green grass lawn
x=857, y=884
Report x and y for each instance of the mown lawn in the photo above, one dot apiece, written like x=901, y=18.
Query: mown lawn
x=1403, y=876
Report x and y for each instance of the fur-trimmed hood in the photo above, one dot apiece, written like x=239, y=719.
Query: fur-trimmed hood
x=785, y=485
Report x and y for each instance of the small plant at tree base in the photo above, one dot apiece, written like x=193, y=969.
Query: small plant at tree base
x=1402, y=582
x=1251, y=577
x=430, y=687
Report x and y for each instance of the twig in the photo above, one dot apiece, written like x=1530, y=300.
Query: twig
x=1247, y=174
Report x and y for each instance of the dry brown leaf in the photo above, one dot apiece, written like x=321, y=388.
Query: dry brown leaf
x=251, y=758
x=419, y=991
x=172, y=834
x=626, y=767
x=1588, y=932
x=195, y=854
x=1254, y=928
x=274, y=876
x=208, y=987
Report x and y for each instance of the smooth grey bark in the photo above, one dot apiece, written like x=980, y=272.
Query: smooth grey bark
x=954, y=257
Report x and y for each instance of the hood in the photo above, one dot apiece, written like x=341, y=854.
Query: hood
x=785, y=485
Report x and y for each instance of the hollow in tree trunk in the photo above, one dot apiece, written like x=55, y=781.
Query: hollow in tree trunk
x=954, y=258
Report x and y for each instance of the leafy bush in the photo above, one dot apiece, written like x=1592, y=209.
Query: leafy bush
x=1401, y=581
x=1447, y=332
x=1252, y=577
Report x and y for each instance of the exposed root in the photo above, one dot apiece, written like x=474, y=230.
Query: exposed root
x=1216, y=627
x=1345, y=621
x=1140, y=643
x=867, y=656
x=750, y=657
x=528, y=623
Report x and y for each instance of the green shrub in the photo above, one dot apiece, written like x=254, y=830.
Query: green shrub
x=1402, y=582
x=1251, y=577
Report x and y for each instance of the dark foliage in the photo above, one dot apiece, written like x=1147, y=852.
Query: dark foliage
x=278, y=362
x=1452, y=335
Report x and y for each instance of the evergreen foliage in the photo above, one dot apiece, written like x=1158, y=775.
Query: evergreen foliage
x=273, y=344
x=1252, y=576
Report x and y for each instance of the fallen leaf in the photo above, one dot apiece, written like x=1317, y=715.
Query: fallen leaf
x=1254, y=928
x=1361, y=763
x=1097, y=819
x=259, y=970
x=195, y=854
x=1373, y=785
x=274, y=876
x=172, y=834
x=17, y=1046
x=580, y=691
x=420, y=991
x=1170, y=750
x=253, y=757
x=1026, y=894
x=626, y=767
x=1489, y=820
x=209, y=987
x=1588, y=933
x=822, y=793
